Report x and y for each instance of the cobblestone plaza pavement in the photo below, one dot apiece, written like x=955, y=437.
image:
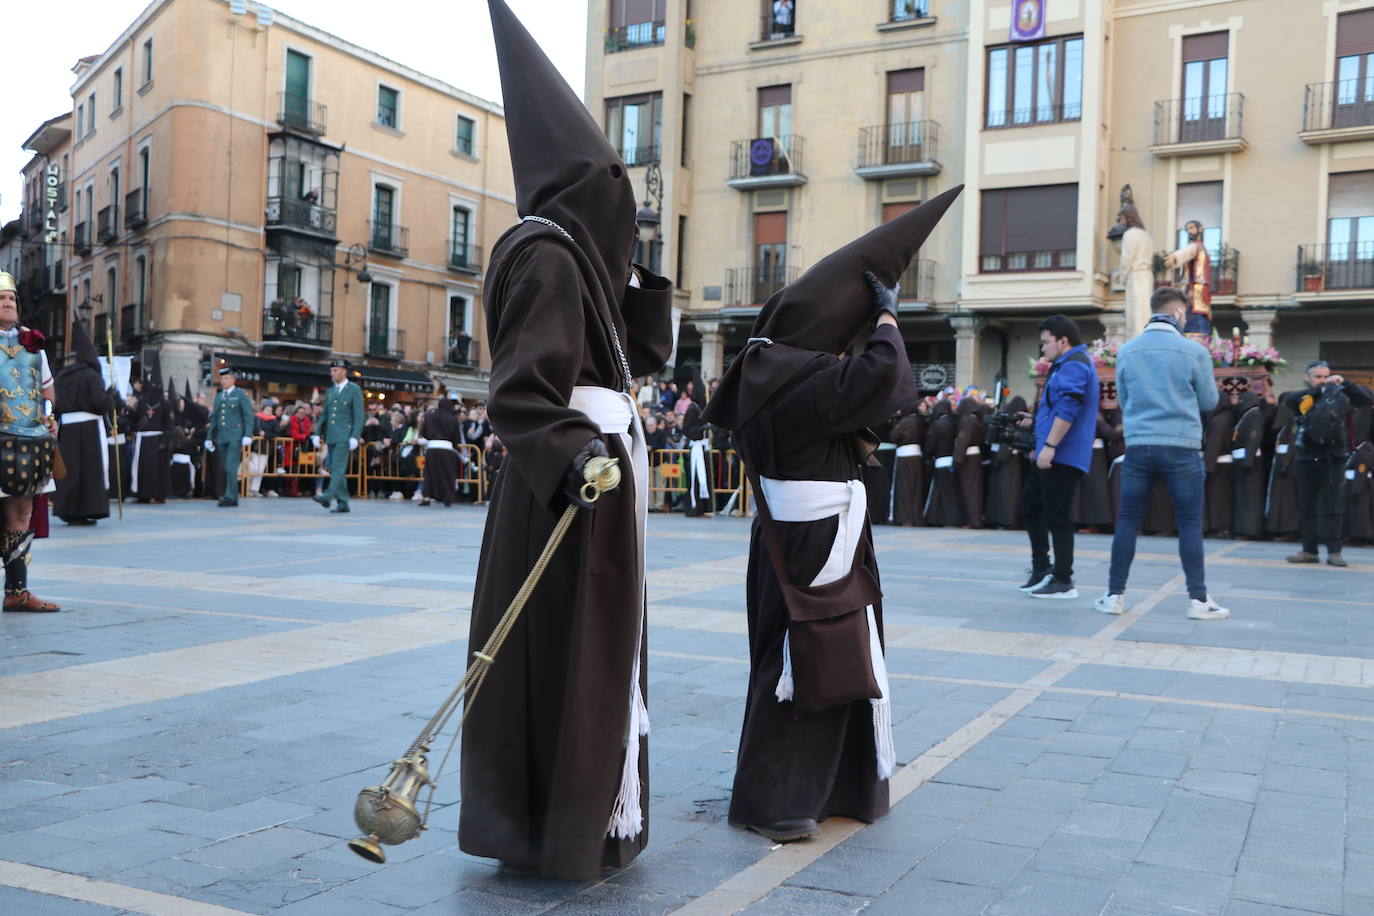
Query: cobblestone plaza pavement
x=188, y=736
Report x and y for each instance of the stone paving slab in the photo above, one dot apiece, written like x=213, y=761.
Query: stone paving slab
x=235, y=678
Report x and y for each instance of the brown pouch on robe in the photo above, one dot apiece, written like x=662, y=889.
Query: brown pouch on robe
x=831, y=661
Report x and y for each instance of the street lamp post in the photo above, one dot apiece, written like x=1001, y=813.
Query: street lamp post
x=649, y=219
x=356, y=255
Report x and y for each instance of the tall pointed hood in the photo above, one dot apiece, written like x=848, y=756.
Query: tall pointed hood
x=186, y=393
x=152, y=377
x=565, y=168
x=822, y=312
x=82, y=348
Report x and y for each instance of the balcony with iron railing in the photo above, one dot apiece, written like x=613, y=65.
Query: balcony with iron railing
x=299, y=114
x=135, y=209
x=132, y=323
x=1223, y=270
x=767, y=162
x=905, y=150
x=1028, y=261
x=1006, y=118
x=388, y=239
x=59, y=275
x=81, y=239
x=287, y=326
x=917, y=283
x=640, y=155
x=777, y=28
x=1335, y=268
x=386, y=343
x=755, y=286
x=303, y=214
x=1338, y=111
x=1200, y=125
x=635, y=35
x=462, y=354
x=107, y=224
x=100, y=329
x=906, y=12
x=465, y=258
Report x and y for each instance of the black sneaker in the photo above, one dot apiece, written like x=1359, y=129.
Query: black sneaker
x=1038, y=577
x=1055, y=588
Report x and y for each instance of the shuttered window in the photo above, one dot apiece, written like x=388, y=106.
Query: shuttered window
x=1029, y=229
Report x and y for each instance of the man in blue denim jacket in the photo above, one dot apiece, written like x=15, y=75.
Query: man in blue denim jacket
x=1164, y=385
x=1065, y=423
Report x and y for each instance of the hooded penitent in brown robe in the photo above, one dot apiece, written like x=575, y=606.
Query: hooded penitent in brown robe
x=813, y=742
x=908, y=484
x=1247, y=468
x=944, y=505
x=1005, y=477
x=83, y=405
x=554, y=739
x=1095, y=508
x=970, y=430
x=1359, y=494
x=1281, y=497
x=1218, y=425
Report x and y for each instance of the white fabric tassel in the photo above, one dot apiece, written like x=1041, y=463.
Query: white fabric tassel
x=627, y=817
x=784, y=689
x=882, y=707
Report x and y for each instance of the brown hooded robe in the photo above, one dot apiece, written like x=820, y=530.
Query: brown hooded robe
x=1005, y=478
x=1281, y=498
x=544, y=745
x=1247, y=469
x=84, y=492
x=800, y=412
x=971, y=429
x=1218, y=427
x=908, y=485
x=944, y=506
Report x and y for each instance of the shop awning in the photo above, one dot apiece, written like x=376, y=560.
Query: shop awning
x=383, y=379
x=295, y=372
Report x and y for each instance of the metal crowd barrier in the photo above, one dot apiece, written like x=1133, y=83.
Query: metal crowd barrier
x=284, y=458
x=670, y=474
x=390, y=465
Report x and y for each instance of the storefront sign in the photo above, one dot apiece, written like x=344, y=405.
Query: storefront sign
x=51, y=182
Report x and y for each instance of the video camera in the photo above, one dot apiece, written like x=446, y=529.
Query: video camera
x=1003, y=431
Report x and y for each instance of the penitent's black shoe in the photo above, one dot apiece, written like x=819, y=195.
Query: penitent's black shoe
x=785, y=831
x=1055, y=588
x=1038, y=577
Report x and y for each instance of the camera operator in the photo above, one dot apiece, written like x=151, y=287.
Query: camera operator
x=1065, y=423
x=1164, y=385
x=1320, y=453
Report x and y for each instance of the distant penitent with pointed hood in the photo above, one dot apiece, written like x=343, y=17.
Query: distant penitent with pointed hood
x=554, y=756
x=83, y=407
x=817, y=735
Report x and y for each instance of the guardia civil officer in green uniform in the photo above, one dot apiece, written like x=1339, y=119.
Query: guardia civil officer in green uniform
x=339, y=426
x=231, y=428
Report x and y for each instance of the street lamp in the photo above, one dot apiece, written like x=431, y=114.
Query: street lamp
x=357, y=254
x=648, y=219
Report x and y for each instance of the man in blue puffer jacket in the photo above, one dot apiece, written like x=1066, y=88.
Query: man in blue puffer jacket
x=1065, y=423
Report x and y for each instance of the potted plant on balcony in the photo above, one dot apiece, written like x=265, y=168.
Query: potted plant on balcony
x=1224, y=283
x=1160, y=266
x=1312, y=271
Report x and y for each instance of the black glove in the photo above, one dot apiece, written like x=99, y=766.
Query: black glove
x=573, y=479
x=884, y=299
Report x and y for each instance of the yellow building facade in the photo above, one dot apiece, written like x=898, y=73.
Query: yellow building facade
x=784, y=128
x=246, y=185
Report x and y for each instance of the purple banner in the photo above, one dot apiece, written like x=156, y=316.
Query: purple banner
x=1028, y=20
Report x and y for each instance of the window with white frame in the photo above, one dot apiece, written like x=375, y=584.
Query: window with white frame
x=147, y=61
x=464, y=136
x=118, y=90
x=388, y=107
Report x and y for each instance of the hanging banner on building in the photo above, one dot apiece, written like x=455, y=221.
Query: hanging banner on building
x=1028, y=20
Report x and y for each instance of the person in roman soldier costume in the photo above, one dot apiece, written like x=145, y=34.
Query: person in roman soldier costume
x=817, y=735
x=1197, y=280
x=908, y=473
x=83, y=405
x=554, y=756
x=27, y=444
x=153, y=418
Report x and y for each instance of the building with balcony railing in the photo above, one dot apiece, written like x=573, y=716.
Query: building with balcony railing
x=767, y=162
x=297, y=112
x=135, y=209
x=388, y=239
x=132, y=323
x=465, y=258
x=1337, y=111
x=386, y=343
x=1198, y=125
x=107, y=224
x=754, y=285
x=908, y=149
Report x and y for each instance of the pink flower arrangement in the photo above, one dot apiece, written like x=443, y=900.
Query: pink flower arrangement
x=1103, y=352
x=1227, y=352
x=1039, y=367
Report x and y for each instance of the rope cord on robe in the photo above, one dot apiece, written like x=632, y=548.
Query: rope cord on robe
x=374, y=812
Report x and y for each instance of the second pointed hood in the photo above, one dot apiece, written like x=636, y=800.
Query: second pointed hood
x=565, y=169
x=83, y=349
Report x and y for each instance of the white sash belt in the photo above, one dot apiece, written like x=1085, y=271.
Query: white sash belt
x=441, y=444
x=697, y=460
x=812, y=501
x=974, y=450
x=615, y=413
x=81, y=416
x=182, y=458
x=138, y=450
x=908, y=451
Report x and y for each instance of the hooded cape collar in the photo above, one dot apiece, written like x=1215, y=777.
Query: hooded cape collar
x=821, y=313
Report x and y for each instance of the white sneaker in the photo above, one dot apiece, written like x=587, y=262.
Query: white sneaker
x=1206, y=609
x=396, y=494
x=1111, y=604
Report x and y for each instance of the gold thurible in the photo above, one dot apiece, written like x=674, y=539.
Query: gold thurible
x=387, y=813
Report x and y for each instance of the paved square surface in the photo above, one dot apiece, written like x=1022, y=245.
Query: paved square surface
x=188, y=736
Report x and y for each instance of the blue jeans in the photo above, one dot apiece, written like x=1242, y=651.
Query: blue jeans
x=1181, y=469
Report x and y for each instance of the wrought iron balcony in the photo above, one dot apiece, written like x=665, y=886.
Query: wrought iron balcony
x=100, y=330
x=298, y=113
x=636, y=35
x=107, y=224
x=135, y=209
x=132, y=323
x=283, y=324
x=388, y=239
x=1336, y=111
x=917, y=283
x=754, y=286
x=640, y=155
x=465, y=258
x=774, y=28
x=81, y=239
x=386, y=343
x=462, y=354
x=904, y=150
x=1193, y=126
x=301, y=213
x=1336, y=266
x=767, y=162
